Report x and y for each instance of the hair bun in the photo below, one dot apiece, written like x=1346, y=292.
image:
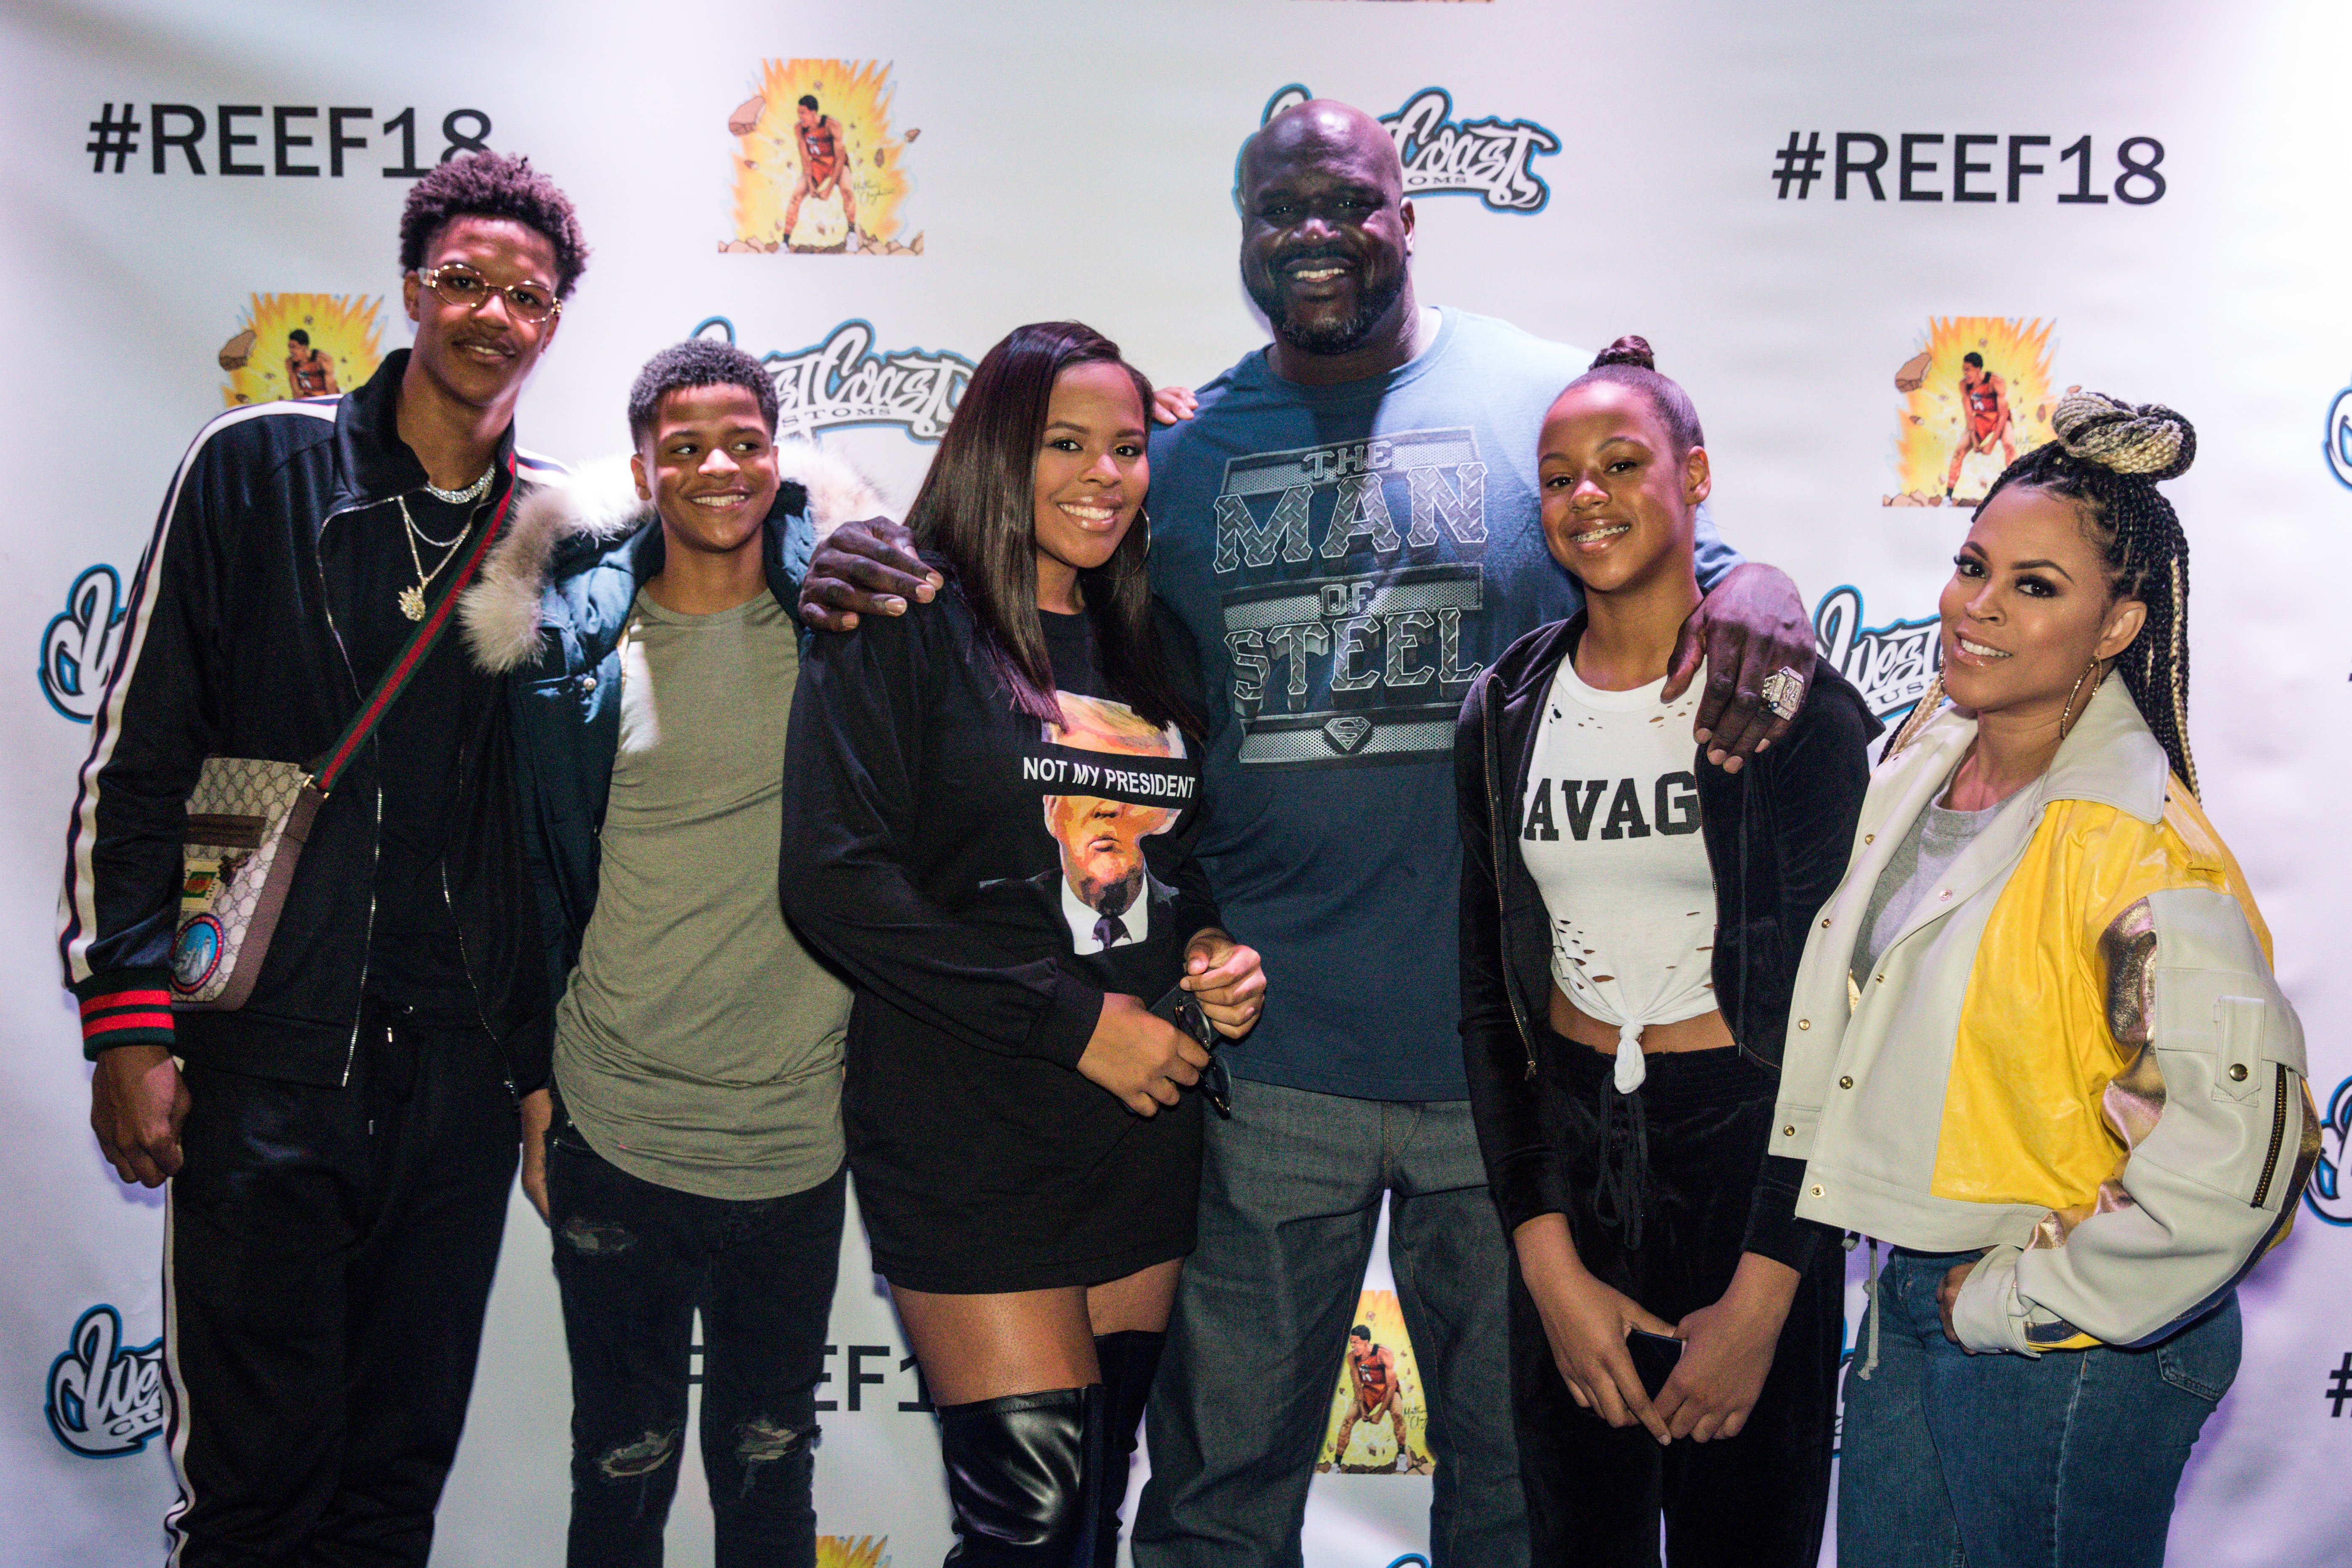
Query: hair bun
x=1627, y=350
x=2145, y=439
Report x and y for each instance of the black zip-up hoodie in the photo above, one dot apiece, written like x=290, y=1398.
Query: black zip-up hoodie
x=1777, y=835
x=229, y=648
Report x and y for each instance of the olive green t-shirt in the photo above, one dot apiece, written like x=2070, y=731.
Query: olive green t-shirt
x=698, y=1044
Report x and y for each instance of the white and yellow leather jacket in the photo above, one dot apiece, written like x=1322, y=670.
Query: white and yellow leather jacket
x=2072, y=1055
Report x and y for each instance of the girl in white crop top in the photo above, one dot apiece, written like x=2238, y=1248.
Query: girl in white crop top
x=1626, y=1143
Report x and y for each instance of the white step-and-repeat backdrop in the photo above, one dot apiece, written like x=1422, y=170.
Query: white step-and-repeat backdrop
x=1814, y=211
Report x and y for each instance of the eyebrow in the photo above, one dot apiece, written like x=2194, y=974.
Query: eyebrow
x=1081, y=429
x=1550, y=453
x=2031, y=565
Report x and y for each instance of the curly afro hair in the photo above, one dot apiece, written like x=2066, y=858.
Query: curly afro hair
x=491, y=185
x=697, y=361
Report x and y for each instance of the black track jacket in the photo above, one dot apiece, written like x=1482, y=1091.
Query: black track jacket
x=229, y=649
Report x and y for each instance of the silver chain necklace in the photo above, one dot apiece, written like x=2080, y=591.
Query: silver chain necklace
x=467, y=497
x=412, y=598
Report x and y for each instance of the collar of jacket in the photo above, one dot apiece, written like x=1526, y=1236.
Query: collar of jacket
x=2109, y=757
x=595, y=516
x=372, y=462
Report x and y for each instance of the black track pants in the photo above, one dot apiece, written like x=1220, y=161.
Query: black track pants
x=327, y=1259
x=1596, y=1493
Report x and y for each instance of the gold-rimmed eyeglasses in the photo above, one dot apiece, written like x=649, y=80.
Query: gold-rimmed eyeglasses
x=461, y=285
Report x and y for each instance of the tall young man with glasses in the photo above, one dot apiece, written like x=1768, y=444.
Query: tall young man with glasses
x=340, y=1148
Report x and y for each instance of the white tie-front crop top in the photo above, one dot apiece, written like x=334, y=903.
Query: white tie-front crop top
x=1609, y=829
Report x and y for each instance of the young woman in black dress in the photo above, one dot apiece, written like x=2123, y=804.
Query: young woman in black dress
x=987, y=813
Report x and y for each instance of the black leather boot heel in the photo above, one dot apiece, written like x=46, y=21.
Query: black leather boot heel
x=1025, y=1474
x=1127, y=1358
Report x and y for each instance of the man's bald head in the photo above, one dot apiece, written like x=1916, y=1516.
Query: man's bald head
x=1326, y=238
x=1324, y=129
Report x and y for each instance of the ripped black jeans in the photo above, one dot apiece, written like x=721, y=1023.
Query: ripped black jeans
x=634, y=1260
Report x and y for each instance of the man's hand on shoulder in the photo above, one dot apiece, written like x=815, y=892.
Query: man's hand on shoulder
x=1171, y=404
x=865, y=568
x=1748, y=630
x=136, y=1103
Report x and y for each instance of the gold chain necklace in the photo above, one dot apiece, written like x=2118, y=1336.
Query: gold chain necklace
x=412, y=598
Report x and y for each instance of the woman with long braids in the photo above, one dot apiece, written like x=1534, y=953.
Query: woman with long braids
x=988, y=818
x=2036, y=1046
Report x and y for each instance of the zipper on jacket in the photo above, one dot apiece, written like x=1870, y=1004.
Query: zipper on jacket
x=465, y=962
x=1494, y=834
x=375, y=841
x=465, y=959
x=2278, y=1139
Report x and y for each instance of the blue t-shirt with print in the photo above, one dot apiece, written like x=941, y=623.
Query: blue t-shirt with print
x=1348, y=558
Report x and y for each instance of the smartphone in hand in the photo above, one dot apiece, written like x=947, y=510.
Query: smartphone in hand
x=1179, y=1007
x=1654, y=1356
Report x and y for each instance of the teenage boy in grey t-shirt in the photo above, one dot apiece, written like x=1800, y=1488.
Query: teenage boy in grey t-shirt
x=694, y=1158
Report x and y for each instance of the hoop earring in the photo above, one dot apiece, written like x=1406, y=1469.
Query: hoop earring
x=2067, y=717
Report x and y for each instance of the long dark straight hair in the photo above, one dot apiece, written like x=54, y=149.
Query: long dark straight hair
x=977, y=511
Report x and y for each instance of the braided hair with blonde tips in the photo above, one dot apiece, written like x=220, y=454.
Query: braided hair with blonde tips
x=2108, y=459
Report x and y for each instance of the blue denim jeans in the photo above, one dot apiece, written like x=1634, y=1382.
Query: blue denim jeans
x=1291, y=1198
x=2070, y=1460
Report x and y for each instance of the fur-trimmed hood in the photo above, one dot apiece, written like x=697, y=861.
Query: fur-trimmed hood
x=599, y=504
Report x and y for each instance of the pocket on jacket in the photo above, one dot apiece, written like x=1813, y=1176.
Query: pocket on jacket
x=2202, y=1360
x=576, y=689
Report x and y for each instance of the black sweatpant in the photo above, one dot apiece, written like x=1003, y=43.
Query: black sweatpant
x=634, y=1261
x=327, y=1259
x=1595, y=1492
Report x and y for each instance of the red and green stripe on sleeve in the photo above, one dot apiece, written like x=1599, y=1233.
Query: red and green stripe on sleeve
x=124, y=1008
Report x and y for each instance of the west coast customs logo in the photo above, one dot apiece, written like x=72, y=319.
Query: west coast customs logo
x=2339, y=442
x=842, y=382
x=1492, y=158
x=2329, y=1194
x=1890, y=664
x=106, y=1399
x=77, y=646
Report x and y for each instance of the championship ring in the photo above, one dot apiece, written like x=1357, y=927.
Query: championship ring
x=1784, y=691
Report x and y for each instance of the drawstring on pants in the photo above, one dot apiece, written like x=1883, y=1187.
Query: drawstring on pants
x=1621, y=1195
x=1871, y=1313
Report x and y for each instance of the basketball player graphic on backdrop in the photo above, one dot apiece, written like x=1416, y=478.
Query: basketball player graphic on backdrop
x=823, y=165
x=307, y=371
x=1987, y=418
x=1371, y=1370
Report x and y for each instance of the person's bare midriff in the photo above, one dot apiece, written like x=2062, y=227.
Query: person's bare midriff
x=1704, y=1033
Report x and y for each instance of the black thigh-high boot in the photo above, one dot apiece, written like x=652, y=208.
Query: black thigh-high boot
x=1024, y=1474
x=1127, y=1359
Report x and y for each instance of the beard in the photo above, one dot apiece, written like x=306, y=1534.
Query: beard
x=1329, y=338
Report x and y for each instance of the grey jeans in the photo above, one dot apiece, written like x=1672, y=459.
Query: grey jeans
x=1291, y=1198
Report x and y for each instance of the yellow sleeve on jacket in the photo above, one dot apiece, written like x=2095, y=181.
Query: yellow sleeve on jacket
x=2175, y=1128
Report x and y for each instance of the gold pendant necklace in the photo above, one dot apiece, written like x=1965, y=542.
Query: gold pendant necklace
x=412, y=598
